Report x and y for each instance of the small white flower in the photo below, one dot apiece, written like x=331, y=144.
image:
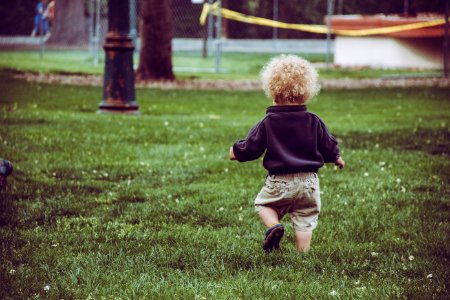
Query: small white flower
x=374, y=254
x=166, y=123
x=47, y=288
x=430, y=275
x=12, y=271
x=411, y=258
x=332, y=293
x=54, y=174
x=221, y=209
x=382, y=163
x=226, y=170
x=398, y=180
x=214, y=117
x=403, y=189
x=366, y=174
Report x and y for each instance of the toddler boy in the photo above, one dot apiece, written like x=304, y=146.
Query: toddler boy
x=296, y=144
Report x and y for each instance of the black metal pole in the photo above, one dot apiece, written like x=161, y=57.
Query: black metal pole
x=446, y=42
x=328, y=22
x=205, y=36
x=118, y=83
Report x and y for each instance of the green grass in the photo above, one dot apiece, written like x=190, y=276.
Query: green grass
x=149, y=207
x=186, y=65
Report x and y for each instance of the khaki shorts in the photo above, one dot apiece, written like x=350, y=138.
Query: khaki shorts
x=295, y=194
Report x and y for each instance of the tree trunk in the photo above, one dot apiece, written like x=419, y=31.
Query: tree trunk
x=70, y=26
x=155, y=59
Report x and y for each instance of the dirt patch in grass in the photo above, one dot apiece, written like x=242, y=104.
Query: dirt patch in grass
x=237, y=85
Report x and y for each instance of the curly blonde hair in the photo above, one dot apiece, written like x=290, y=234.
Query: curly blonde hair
x=289, y=78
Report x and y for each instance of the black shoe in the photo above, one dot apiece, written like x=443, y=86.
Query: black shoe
x=273, y=237
x=6, y=168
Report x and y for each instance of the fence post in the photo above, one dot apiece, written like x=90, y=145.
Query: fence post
x=275, y=28
x=210, y=28
x=218, y=53
x=133, y=31
x=97, y=32
x=446, y=42
x=91, y=27
x=328, y=20
x=41, y=38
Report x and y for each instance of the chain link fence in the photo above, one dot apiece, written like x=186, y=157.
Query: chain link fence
x=195, y=47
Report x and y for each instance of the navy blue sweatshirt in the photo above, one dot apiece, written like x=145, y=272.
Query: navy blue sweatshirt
x=294, y=140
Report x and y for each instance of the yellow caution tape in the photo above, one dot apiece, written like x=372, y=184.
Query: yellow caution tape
x=321, y=29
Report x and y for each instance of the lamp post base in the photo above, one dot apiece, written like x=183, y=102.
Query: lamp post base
x=118, y=85
x=118, y=107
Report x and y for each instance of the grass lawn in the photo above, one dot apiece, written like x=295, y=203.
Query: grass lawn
x=150, y=207
x=186, y=65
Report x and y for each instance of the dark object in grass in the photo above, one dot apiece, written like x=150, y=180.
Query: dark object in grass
x=273, y=237
x=6, y=169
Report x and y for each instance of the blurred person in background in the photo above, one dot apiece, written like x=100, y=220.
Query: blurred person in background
x=49, y=13
x=40, y=21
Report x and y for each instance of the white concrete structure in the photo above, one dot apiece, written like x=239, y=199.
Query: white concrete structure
x=388, y=52
x=414, y=48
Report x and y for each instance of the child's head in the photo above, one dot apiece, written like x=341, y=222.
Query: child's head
x=289, y=79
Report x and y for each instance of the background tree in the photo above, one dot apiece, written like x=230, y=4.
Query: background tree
x=71, y=24
x=155, y=58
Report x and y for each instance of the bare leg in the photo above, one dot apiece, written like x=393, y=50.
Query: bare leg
x=303, y=240
x=275, y=233
x=269, y=216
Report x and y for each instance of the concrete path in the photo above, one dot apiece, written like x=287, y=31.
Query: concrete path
x=239, y=85
x=226, y=45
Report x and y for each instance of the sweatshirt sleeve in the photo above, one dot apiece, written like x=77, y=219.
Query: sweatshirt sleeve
x=253, y=146
x=327, y=144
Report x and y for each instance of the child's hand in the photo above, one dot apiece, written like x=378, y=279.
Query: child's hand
x=340, y=163
x=232, y=157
